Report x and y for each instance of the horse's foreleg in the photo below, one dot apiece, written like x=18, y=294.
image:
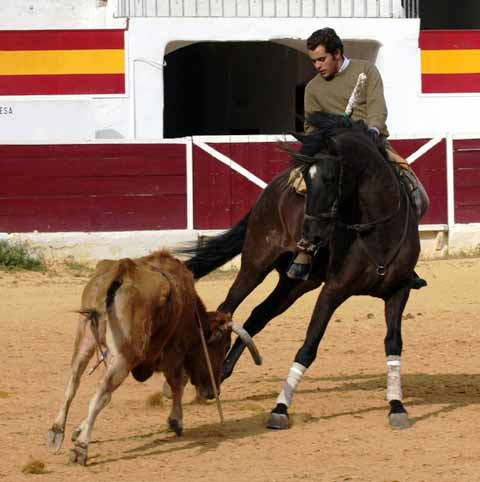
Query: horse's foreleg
x=282, y=297
x=394, y=307
x=326, y=304
x=248, y=278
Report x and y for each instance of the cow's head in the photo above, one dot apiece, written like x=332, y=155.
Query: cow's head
x=218, y=339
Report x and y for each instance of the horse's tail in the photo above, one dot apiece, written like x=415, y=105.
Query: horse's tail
x=211, y=253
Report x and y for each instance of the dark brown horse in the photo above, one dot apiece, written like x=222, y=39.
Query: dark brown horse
x=361, y=219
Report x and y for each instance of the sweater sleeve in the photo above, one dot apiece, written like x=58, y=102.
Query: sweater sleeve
x=311, y=105
x=376, y=105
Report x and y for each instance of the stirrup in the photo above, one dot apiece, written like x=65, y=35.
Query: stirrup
x=300, y=267
x=299, y=271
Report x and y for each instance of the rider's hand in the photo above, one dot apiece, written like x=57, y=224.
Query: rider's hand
x=374, y=133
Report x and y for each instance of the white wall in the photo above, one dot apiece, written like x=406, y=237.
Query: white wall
x=53, y=14
x=411, y=114
x=60, y=118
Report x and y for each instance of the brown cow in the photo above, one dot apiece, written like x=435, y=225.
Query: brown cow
x=146, y=314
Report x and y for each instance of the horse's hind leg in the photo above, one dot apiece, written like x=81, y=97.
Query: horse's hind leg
x=394, y=307
x=282, y=297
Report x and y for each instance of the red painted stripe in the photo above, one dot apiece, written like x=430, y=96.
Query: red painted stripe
x=62, y=84
x=449, y=39
x=92, y=187
x=61, y=39
x=450, y=83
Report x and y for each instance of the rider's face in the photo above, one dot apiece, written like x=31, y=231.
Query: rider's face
x=327, y=65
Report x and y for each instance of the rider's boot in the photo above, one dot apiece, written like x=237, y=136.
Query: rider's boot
x=300, y=266
x=417, y=282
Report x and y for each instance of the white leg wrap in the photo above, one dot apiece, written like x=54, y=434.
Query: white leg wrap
x=394, y=383
x=294, y=376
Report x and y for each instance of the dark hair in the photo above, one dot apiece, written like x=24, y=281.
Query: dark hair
x=326, y=37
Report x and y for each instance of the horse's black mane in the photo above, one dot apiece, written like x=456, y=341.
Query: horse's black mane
x=327, y=127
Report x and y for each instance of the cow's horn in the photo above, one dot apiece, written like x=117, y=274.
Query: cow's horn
x=247, y=339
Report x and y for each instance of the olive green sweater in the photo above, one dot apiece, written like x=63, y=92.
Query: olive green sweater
x=332, y=95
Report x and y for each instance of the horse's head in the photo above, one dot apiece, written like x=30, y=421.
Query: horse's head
x=324, y=180
x=333, y=159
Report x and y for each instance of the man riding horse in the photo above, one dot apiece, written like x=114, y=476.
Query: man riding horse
x=331, y=91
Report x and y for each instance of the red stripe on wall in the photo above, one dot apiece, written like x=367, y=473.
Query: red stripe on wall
x=450, y=83
x=62, y=84
x=61, y=39
x=467, y=180
x=101, y=187
x=449, y=39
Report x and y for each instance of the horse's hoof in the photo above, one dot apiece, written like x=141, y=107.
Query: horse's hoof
x=79, y=454
x=399, y=420
x=55, y=439
x=75, y=434
x=278, y=421
x=176, y=426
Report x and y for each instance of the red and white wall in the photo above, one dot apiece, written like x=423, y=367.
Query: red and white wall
x=139, y=196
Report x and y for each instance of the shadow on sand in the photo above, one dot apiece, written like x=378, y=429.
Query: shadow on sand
x=450, y=391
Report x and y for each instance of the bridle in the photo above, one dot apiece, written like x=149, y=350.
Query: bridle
x=332, y=214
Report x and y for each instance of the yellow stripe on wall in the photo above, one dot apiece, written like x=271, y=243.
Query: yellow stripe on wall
x=55, y=62
x=451, y=61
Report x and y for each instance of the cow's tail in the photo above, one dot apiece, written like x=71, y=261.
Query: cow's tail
x=211, y=253
x=93, y=315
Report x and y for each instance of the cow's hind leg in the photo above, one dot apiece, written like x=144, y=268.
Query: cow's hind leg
x=118, y=370
x=282, y=297
x=394, y=307
x=83, y=352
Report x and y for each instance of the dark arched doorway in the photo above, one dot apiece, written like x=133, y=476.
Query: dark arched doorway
x=228, y=88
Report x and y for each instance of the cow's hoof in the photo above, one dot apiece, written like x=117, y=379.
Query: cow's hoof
x=55, y=438
x=399, y=420
x=175, y=426
x=75, y=434
x=79, y=454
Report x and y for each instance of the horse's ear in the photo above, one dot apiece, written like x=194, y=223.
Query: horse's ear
x=299, y=136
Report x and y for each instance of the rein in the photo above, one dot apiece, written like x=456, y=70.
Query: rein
x=382, y=267
x=209, y=365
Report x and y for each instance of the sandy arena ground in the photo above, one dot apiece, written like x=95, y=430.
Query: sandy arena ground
x=339, y=417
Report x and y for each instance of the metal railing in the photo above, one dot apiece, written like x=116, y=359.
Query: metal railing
x=268, y=8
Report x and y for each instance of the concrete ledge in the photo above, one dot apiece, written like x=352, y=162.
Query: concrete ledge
x=436, y=241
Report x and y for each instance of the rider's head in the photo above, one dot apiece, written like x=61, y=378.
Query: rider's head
x=325, y=50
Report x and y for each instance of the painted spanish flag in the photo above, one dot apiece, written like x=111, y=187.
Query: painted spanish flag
x=450, y=61
x=53, y=62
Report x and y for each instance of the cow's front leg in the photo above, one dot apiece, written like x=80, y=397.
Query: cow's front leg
x=175, y=378
x=118, y=370
x=394, y=307
x=326, y=304
x=83, y=352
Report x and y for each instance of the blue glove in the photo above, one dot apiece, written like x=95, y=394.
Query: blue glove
x=374, y=133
